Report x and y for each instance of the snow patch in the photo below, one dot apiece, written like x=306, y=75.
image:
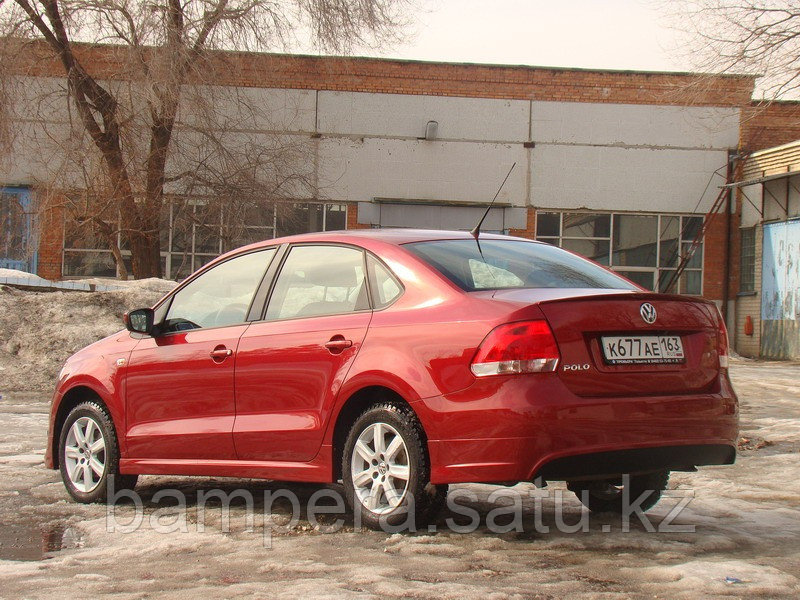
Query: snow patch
x=40, y=330
x=719, y=577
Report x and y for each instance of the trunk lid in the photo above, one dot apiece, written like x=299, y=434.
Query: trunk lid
x=581, y=321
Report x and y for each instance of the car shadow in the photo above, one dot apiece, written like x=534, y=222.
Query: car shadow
x=559, y=514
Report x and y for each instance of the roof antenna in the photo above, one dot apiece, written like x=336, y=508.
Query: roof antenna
x=476, y=231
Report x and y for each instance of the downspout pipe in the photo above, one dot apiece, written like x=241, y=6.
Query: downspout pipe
x=732, y=157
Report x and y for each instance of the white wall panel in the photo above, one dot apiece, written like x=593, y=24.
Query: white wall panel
x=794, y=196
x=350, y=113
x=781, y=198
x=40, y=98
x=38, y=156
x=251, y=108
x=750, y=214
x=411, y=169
x=631, y=124
x=607, y=178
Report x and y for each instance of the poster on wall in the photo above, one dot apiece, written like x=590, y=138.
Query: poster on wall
x=780, y=290
x=781, y=271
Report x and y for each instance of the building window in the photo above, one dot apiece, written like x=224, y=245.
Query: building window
x=747, y=264
x=193, y=233
x=194, y=236
x=86, y=248
x=17, y=219
x=292, y=219
x=644, y=248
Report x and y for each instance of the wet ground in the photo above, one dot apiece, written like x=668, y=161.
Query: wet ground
x=739, y=536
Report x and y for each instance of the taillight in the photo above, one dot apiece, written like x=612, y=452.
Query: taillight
x=524, y=347
x=722, y=341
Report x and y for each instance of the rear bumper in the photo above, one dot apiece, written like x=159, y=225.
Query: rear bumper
x=636, y=460
x=522, y=427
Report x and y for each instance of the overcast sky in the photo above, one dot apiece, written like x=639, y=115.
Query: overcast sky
x=604, y=34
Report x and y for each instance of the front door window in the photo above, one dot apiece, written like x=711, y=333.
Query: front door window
x=221, y=296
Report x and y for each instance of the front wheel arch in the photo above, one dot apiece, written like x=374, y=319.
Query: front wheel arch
x=72, y=398
x=98, y=429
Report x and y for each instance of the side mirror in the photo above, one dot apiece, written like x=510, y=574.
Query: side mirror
x=140, y=320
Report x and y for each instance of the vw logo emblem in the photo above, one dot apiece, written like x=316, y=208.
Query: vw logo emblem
x=648, y=312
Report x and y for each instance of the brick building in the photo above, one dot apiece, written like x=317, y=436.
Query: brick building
x=619, y=166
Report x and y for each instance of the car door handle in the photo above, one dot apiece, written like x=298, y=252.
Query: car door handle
x=338, y=344
x=220, y=353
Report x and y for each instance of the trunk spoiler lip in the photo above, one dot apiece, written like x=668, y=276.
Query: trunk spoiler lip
x=588, y=295
x=633, y=295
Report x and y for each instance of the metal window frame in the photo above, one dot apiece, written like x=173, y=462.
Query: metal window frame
x=751, y=257
x=658, y=269
x=192, y=255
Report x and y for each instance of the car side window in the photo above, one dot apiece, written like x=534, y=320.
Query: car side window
x=319, y=280
x=385, y=287
x=220, y=296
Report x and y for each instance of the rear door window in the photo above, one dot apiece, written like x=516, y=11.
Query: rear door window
x=319, y=280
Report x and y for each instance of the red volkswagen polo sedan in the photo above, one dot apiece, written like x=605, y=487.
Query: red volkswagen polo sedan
x=400, y=361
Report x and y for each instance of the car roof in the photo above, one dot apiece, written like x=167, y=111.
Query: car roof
x=389, y=235
x=358, y=237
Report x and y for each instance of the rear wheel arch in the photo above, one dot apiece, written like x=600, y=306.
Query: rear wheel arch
x=72, y=398
x=353, y=408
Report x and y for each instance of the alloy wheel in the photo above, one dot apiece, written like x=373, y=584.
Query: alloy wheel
x=380, y=468
x=85, y=454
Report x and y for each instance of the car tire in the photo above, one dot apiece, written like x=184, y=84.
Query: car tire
x=608, y=497
x=386, y=470
x=88, y=454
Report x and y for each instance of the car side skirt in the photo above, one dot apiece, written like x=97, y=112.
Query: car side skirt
x=314, y=471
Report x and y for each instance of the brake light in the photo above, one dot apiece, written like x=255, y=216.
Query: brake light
x=722, y=341
x=524, y=347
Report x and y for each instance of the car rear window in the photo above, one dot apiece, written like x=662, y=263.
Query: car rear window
x=504, y=264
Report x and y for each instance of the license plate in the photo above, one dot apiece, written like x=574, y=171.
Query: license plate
x=642, y=349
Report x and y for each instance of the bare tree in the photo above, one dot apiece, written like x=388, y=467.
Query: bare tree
x=145, y=120
x=757, y=37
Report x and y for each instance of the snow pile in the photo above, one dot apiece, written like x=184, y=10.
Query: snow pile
x=13, y=273
x=39, y=330
x=153, y=284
